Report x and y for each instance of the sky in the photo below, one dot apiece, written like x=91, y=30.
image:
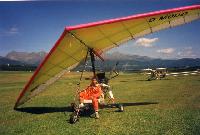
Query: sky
x=35, y=26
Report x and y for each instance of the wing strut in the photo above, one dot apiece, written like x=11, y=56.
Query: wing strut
x=92, y=61
x=89, y=48
x=91, y=51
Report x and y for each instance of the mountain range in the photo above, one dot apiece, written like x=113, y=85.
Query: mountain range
x=126, y=61
x=6, y=61
x=33, y=58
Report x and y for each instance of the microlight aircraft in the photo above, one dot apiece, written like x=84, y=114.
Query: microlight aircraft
x=77, y=42
x=158, y=73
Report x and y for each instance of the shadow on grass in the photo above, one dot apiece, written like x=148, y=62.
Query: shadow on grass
x=42, y=110
x=130, y=104
x=124, y=81
x=138, y=103
x=153, y=80
x=143, y=80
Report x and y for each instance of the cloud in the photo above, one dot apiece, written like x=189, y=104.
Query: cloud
x=146, y=42
x=10, y=31
x=186, y=52
x=166, y=50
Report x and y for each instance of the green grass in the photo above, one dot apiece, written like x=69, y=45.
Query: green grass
x=170, y=106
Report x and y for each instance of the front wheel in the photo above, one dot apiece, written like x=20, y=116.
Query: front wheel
x=74, y=118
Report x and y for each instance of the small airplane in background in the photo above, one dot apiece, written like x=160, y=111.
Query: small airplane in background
x=158, y=73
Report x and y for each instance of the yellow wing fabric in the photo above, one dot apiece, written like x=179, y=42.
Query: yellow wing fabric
x=72, y=46
x=66, y=54
x=108, y=34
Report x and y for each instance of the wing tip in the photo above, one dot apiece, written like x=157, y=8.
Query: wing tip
x=38, y=69
x=16, y=106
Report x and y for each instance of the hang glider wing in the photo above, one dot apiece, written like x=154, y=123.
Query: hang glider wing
x=72, y=46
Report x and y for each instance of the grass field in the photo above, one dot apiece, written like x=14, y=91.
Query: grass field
x=170, y=106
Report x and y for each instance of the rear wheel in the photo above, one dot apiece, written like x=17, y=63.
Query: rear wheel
x=121, y=108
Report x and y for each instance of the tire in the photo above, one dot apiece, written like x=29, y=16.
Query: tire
x=121, y=108
x=73, y=118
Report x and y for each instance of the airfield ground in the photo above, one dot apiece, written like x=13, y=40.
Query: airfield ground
x=169, y=106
